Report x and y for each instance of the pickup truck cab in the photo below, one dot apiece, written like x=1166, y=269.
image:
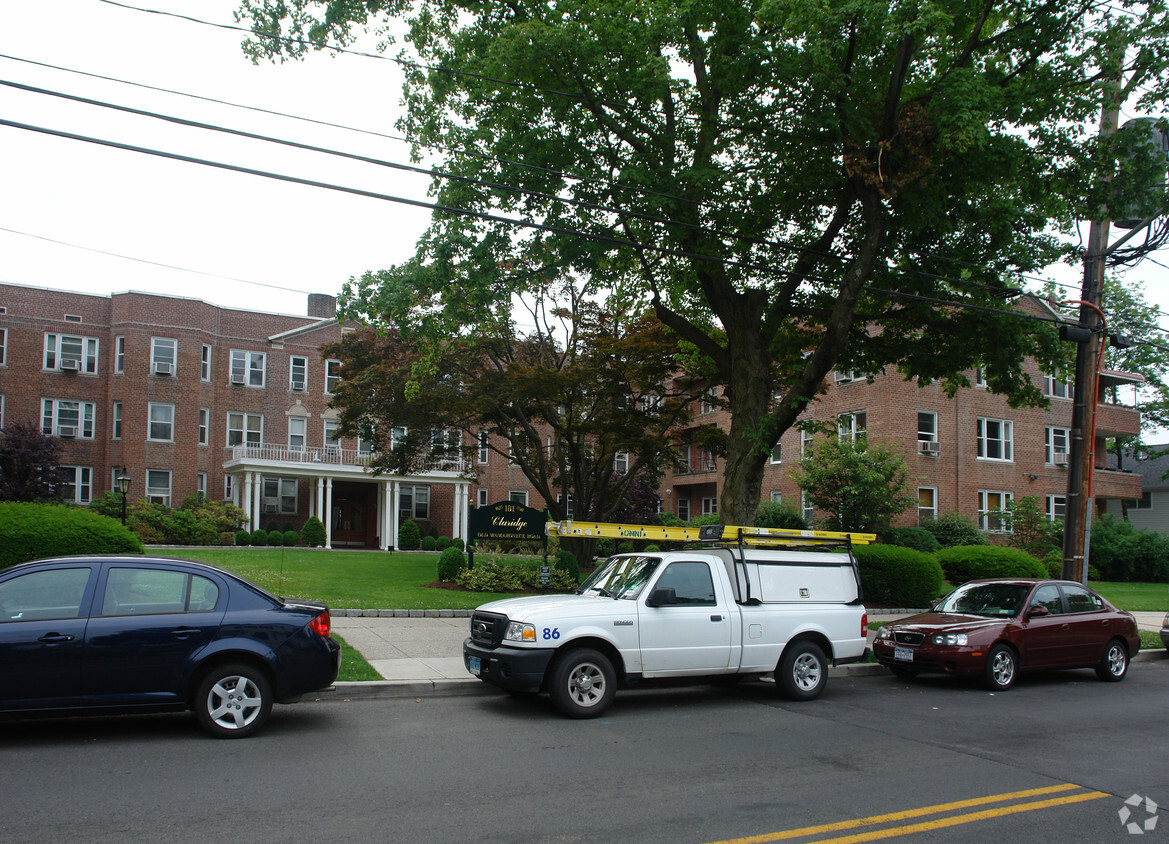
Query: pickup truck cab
x=719, y=613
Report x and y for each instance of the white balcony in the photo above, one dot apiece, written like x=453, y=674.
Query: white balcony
x=314, y=460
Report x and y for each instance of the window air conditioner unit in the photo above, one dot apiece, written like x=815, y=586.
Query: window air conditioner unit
x=237, y=378
x=929, y=447
x=1060, y=459
x=68, y=431
x=298, y=386
x=162, y=368
x=70, y=366
x=270, y=508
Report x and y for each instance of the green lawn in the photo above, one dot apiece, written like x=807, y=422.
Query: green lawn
x=1135, y=597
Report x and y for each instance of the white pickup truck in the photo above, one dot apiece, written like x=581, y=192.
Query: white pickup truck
x=707, y=612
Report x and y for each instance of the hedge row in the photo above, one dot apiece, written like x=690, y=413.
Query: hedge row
x=35, y=531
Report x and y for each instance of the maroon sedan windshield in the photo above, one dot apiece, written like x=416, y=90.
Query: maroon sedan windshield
x=995, y=600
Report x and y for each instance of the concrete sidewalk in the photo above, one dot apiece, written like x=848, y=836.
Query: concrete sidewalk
x=420, y=652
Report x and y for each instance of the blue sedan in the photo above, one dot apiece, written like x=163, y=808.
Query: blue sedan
x=119, y=634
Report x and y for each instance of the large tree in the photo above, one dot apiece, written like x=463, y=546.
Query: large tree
x=794, y=187
x=584, y=402
x=28, y=463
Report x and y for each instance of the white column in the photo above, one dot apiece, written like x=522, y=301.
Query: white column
x=257, y=507
x=328, y=513
x=395, y=500
x=459, y=516
x=319, y=503
x=387, y=500
x=246, y=504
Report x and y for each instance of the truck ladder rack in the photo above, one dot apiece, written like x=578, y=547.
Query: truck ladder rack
x=705, y=533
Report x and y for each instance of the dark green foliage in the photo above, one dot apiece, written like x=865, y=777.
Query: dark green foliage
x=1053, y=562
x=952, y=529
x=625, y=546
x=271, y=527
x=451, y=563
x=442, y=543
x=28, y=463
x=409, y=536
x=774, y=515
x=491, y=576
x=897, y=576
x=197, y=521
x=604, y=548
x=916, y=538
x=429, y=543
x=290, y=538
x=313, y=532
x=275, y=537
x=287, y=527
x=242, y=537
x=457, y=542
x=566, y=562
x=1031, y=530
x=433, y=533
x=1121, y=552
x=259, y=537
x=968, y=562
x=31, y=531
x=651, y=548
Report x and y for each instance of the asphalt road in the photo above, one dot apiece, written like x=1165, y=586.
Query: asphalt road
x=1053, y=759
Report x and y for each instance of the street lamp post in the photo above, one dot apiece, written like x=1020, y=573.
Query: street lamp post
x=122, y=482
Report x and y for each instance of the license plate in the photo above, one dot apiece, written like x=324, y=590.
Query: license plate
x=474, y=665
x=903, y=654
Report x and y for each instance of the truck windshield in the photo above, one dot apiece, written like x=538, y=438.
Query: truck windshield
x=620, y=577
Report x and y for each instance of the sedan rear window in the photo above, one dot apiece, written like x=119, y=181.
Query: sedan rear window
x=139, y=591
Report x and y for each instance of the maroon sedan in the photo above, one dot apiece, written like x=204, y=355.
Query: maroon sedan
x=998, y=628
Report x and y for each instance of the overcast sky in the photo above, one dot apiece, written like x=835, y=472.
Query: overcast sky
x=190, y=230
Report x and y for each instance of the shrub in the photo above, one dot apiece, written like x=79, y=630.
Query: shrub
x=967, y=562
x=490, y=576
x=651, y=548
x=1121, y=552
x=32, y=531
x=1053, y=562
x=898, y=576
x=772, y=514
x=952, y=529
x=442, y=543
x=313, y=532
x=271, y=527
x=458, y=542
x=429, y=543
x=242, y=537
x=409, y=536
x=566, y=562
x=275, y=537
x=919, y=539
x=604, y=548
x=290, y=538
x=625, y=546
x=451, y=563
x=259, y=537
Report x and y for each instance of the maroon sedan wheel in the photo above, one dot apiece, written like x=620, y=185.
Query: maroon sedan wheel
x=1114, y=664
x=1002, y=667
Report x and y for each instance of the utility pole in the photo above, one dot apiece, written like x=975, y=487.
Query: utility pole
x=1082, y=448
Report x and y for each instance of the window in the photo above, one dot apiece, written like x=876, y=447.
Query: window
x=332, y=375
x=66, y=353
x=776, y=497
x=691, y=582
x=297, y=432
x=806, y=508
x=158, y=486
x=709, y=506
x=1056, y=387
x=205, y=363
x=484, y=449
x=162, y=422
x=63, y=418
x=518, y=496
x=117, y=420
x=483, y=497
x=994, y=439
x=134, y=591
x=413, y=502
x=119, y=354
x=397, y=436
x=980, y=377
x=684, y=509
x=1, y=410
x=204, y=426
x=245, y=429
x=994, y=510
x=776, y=453
x=1145, y=502
x=708, y=403
x=365, y=440
x=332, y=435
x=805, y=442
x=228, y=488
x=927, y=504
x=846, y=377
x=444, y=443
x=927, y=426
x=621, y=462
x=298, y=373
x=201, y=485
x=3, y=346
x=1055, y=442
x=248, y=368
x=164, y=353
x=76, y=484
x=1056, y=507
x=1048, y=596
x=852, y=426
x=41, y=595
x=279, y=495
x=1080, y=599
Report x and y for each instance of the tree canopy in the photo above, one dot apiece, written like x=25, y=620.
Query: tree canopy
x=791, y=187
x=28, y=463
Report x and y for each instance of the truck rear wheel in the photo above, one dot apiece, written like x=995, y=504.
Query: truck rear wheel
x=802, y=672
x=583, y=683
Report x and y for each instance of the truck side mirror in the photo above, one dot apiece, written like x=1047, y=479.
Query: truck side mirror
x=662, y=596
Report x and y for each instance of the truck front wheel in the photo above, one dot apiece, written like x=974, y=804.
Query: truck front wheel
x=802, y=672
x=583, y=683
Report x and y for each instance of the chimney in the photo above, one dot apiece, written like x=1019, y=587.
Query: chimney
x=322, y=305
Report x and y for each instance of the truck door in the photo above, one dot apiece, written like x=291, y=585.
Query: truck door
x=692, y=635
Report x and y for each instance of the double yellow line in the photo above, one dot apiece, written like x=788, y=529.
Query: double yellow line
x=903, y=828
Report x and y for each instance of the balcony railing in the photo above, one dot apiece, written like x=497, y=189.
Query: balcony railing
x=333, y=455
x=696, y=467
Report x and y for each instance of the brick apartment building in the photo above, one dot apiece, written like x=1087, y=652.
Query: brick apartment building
x=191, y=398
